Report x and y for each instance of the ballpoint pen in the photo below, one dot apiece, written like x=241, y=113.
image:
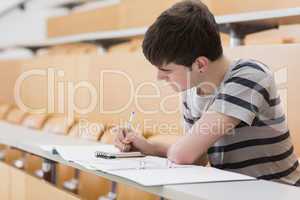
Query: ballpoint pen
x=129, y=126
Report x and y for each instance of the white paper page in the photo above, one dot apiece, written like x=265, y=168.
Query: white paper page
x=196, y=174
x=147, y=171
x=85, y=164
x=148, y=162
x=83, y=153
x=49, y=148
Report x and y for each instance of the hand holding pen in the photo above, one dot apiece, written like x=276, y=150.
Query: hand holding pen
x=127, y=139
x=122, y=140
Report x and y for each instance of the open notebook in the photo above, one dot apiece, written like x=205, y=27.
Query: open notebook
x=148, y=170
x=156, y=171
x=87, y=153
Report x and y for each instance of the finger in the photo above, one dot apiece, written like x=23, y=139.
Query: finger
x=125, y=134
x=120, y=135
x=121, y=142
x=126, y=148
x=118, y=140
x=127, y=140
x=122, y=147
x=130, y=137
x=118, y=146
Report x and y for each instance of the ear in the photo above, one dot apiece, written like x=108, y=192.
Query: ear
x=201, y=64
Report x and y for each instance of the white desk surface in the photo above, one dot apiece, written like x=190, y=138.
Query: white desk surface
x=273, y=17
x=29, y=141
x=8, y=5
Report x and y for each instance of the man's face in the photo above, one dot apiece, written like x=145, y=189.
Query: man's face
x=178, y=76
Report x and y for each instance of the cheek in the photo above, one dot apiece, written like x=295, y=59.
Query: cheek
x=180, y=80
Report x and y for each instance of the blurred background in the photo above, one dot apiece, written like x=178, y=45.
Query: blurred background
x=76, y=40
x=27, y=25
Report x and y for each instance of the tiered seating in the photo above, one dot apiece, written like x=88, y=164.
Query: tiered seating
x=4, y=109
x=33, y=121
x=58, y=125
x=87, y=185
x=15, y=116
x=118, y=74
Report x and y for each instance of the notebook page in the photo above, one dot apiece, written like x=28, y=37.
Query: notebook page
x=196, y=174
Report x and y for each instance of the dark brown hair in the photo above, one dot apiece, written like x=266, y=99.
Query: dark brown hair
x=181, y=34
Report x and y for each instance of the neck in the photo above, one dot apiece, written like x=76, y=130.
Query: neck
x=214, y=76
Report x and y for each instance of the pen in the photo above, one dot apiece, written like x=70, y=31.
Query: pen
x=132, y=114
x=129, y=126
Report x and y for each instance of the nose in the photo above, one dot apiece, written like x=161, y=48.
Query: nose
x=161, y=76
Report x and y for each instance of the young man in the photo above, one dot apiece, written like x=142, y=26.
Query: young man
x=232, y=110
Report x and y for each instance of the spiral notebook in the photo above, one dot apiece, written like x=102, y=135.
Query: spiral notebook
x=93, y=152
x=111, y=152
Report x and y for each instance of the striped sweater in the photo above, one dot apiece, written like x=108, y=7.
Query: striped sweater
x=260, y=146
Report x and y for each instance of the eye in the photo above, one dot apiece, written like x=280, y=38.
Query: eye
x=165, y=70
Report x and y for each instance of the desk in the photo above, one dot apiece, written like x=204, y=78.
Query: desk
x=238, y=26
x=246, y=190
x=7, y=6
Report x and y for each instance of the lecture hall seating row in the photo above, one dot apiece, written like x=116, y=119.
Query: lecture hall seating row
x=84, y=66
x=90, y=186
